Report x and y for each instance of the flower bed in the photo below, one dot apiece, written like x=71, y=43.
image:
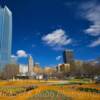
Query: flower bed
x=13, y=91
x=89, y=90
x=49, y=95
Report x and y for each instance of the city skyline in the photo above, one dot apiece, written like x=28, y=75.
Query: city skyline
x=45, y=28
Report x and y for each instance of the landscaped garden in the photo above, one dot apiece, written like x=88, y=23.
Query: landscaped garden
x=48, y=90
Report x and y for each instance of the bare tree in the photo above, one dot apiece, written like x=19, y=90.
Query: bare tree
x=10, y=71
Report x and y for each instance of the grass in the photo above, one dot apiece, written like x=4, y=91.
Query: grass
x=80, y=81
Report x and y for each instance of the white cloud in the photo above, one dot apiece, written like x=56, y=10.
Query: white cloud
x=13, y=56
x=57, y=38
x=91, y=12
x=95, y=43
x=58, y=58
x=21, y=53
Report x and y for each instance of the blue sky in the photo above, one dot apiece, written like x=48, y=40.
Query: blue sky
x=44, y=28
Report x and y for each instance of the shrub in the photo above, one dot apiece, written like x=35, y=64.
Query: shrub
x=89, y=90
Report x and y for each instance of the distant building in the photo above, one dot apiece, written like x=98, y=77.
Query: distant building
x=49, y=70
x=30, y=65
x=23, y=69
x=36, y=65
x=5, y=36
x=39, y=77
x=79, y=66
x=63, y=68
x=24, y=72
x=68, y=56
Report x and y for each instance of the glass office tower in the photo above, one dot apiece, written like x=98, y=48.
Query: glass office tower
x=5, y=36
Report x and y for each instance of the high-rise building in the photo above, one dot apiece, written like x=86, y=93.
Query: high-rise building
x=30, y=65
x=68, y=56
x=5, y=36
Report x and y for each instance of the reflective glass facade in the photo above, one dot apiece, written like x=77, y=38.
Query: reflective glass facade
x=5, y=36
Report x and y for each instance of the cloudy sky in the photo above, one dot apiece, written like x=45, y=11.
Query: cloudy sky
x=44, y=28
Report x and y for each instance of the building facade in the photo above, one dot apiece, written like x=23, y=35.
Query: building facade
x=63, y=68
x=68, y=56
x=5, y=36
x=23, y=69
x=30, y=65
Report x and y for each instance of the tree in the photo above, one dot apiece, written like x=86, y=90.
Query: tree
x=49, y=71
x=10, y=71
x=37, y=70
x=91, y=70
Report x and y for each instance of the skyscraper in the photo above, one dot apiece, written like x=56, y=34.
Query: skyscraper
x=5, y=36
x=30, y=65
x=68, y=56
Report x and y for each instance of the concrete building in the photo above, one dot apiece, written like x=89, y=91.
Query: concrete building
x=5, y=36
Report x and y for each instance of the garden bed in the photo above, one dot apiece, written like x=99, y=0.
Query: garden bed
x=93, y=90
x=13, y=91
x=49, y=95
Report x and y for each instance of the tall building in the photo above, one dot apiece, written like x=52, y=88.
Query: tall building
x=5, y=36
x=68, y=56
x=30, y=65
